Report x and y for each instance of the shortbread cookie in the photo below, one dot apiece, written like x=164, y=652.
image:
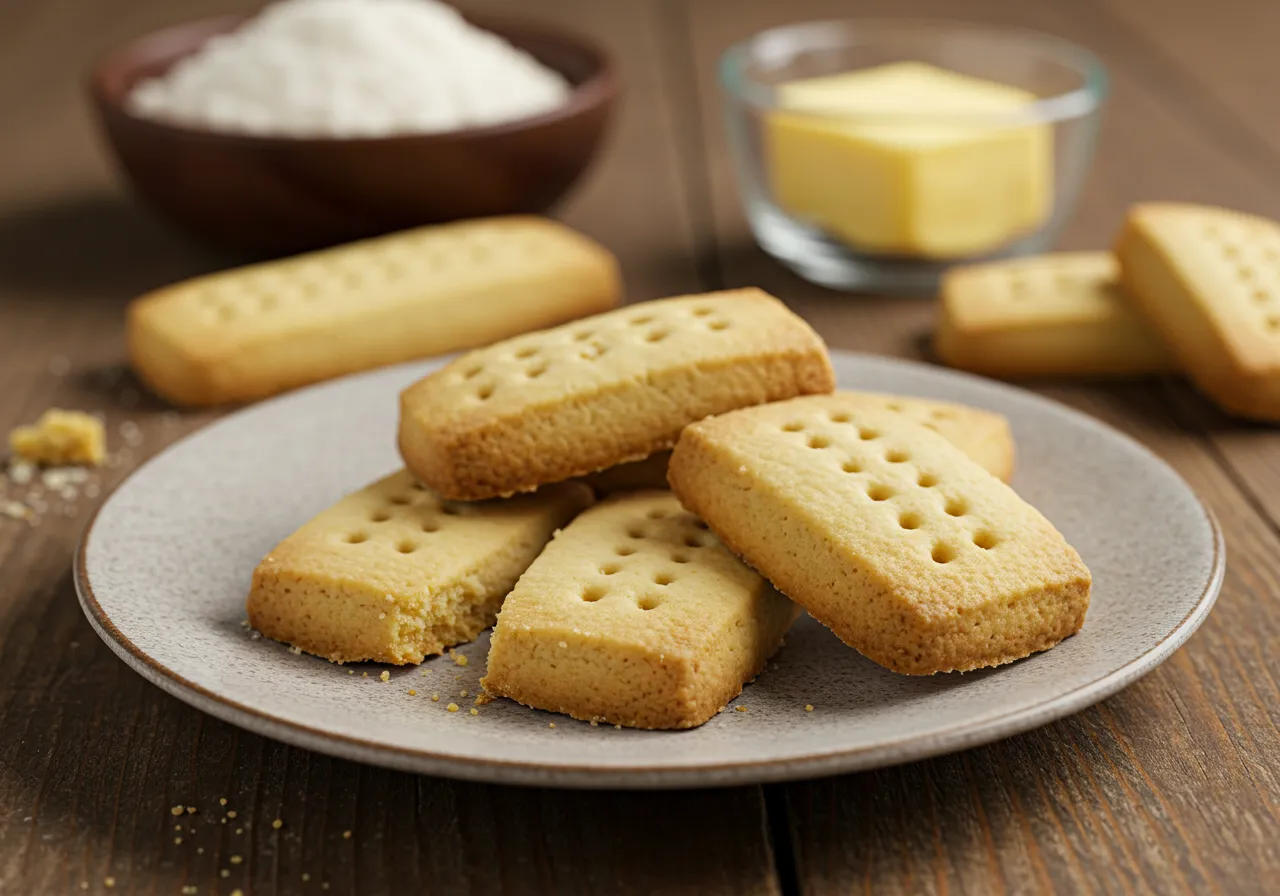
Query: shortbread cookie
x=603, y=391
x=635, y=615
x=983, y=435
x=1208, y=280
x=1053, y=315
x=885, y=532
x=394, y=574
x=252, y=332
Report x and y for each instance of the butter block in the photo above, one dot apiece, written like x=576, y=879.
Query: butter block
x=909, y=159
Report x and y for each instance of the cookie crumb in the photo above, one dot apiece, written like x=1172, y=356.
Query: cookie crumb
x=465, y=694
x=236, y=860
x=459, y=659
x=740, y=708
x=452, y=707
x=551, y=725
x=412, y=692
x=177, y=841
x=475, y=712
x=231, y=813
x=435, y=698
x=225, y=872
x=808, y=707
x=176, y=810
x=346, y=835
x=423, y=673
x=385, y=676
x=108, y=882
x=305, y=877
x=191, y=810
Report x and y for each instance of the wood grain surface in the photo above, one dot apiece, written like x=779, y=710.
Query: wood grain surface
x=1171, y=786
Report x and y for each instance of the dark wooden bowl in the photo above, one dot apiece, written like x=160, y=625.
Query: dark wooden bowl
x=282, y=194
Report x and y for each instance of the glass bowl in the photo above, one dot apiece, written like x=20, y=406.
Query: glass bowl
x=873, y=154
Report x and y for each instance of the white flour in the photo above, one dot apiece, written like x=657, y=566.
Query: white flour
x=352, y=68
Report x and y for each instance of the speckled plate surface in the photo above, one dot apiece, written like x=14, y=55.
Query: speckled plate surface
x=164, y=568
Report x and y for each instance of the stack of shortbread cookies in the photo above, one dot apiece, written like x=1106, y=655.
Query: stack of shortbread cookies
x=1188, y=287
x=536, y=494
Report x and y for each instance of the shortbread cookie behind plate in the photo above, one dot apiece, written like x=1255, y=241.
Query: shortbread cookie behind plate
x=393, y=574
x=885, y=532
x=244, y=334
x=635, y=615
x=1208, y=279
x=610, y=389
x=1063, y=314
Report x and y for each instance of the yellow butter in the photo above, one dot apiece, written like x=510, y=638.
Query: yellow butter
x=945, y=180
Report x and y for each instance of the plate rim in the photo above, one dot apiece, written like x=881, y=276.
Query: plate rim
x=972, y=733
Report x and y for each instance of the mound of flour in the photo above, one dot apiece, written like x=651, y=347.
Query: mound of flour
x=351, y=68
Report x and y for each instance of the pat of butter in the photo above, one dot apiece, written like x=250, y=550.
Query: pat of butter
x=943, y=180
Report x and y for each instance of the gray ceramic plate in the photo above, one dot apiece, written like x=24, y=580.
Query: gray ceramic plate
x=164, y=568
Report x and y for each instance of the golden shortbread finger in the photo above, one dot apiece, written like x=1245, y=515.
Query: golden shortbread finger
x=1063, y=314
x=603, y=391
x=1208, y=279
x=252, y=332
x=983, y=435
x=393, y=574
x=635, y=615
x=885, y=532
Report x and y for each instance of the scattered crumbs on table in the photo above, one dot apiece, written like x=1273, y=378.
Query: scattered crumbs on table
x=239, y=830
x=277, y=824
x=177, y=841
x=435, y=698
x=295, y=650
x=465, y=694
x=231, y=813
x=452, y=707
x=551, y=724
x=190, y=889
x=364, y=674
x=108, y=882
x=412, y=692
x=740, y=708
x=225, y=872
x=305, y=876
x=808, y=707
x=459, y=659
x=346, y=835
x=236, y=860
x=176, y=810
x=385, y=676
x=191, y=810
x=475, y=712
x=222, y=801
x=595, y=724
x=423, y=673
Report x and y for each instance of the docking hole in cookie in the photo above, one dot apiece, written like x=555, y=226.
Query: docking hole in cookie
x=943, y=553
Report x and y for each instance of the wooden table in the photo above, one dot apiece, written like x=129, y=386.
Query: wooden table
x=1171, y=786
